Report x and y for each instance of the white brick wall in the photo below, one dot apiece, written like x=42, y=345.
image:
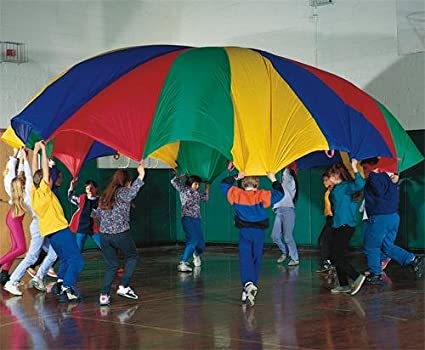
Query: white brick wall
x=356, y=39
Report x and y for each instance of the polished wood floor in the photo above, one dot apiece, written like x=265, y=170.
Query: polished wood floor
x=294, y=309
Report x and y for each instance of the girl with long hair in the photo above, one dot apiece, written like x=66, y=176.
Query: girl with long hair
x=114, y=216
x=14, y=185
x=36, y=244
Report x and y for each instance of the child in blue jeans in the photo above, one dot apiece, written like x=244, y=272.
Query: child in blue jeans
x=251, y=218
x=381, y=227
x=191, y=198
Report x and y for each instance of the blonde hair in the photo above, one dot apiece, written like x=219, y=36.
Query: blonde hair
x=17, y=195
x=250, y=181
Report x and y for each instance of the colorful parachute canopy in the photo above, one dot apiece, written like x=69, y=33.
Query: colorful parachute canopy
x=196, y=108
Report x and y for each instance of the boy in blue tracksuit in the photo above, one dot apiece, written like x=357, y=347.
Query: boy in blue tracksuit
x=381, y=204
x=251, y=218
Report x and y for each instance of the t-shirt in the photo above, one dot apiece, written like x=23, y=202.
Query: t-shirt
x=48, y=209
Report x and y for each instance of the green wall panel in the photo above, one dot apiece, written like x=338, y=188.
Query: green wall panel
x=156, y=216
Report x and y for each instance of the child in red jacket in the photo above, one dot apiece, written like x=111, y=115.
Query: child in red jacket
x=82, y=223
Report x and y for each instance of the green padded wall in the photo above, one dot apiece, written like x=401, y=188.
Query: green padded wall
x=156, y=217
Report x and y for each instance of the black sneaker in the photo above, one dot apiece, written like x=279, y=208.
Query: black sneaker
x=4, y=277
x=326, y=267
x=418, y=266
x=68, y=295
x=57, y=288
x=374, y=279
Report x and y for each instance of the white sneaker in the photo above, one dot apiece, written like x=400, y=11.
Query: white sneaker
x=244, y=296
x=31, y=272
x=196, y=260
x=251, y=292
x=127, y=292
x=184, y=267
x=104, y=299
x=357, y=284
x=52, y=273
x=38, y=284
x=12, y=288
x=341, y=289
x=293, y=263
x=281, y=259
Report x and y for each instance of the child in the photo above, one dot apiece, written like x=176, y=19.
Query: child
x=114, y=216
x=326, y=234
x=345, y=210
x=191, y=198
x=285, y=219
x=251, y=218
x=37, y=241
x=82, y=223
x=15, y=188
x=381, y=226
x=53, y=224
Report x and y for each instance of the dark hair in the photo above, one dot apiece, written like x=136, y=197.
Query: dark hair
x=120, y=179
x=341, y=170
x=371, y=161
x=37, y=178
x=91, y=182
x=191, y=179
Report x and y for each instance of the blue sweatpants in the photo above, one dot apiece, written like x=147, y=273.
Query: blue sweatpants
x=251, y=243
x=71, y=261
x=194, y=238
x=379, y=237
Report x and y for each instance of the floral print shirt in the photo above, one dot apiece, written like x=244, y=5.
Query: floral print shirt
x=117, y=219
x=190, y=199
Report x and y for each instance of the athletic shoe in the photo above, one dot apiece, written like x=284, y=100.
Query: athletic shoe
x=418, y=266
x=341, y=289
x=327, y=266
x=31, y=272
x=293, y=263
x=357, y=284
x=281, y=259
x=196, y=260
x=244, y=296
x=38, y=284
x=4, y=277
x=127, y=292
x=251, y=292
x=184, y=267
x=374, y=279
x=104, y=299
x=385, y=263
x=12, y=288
x=68, y=295
x=51, y=273
x=57, y=288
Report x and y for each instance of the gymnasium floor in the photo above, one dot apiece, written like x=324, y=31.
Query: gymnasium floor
x=294, y=309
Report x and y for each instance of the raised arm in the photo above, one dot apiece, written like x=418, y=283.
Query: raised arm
x=277, y=192
x=74, y=199
x=206, y=195
x=175, y=182
x=11, y=173
x=34, y=162
x=128, y=194
x=44, y=162
x=358, y=183
x=27, y=171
